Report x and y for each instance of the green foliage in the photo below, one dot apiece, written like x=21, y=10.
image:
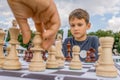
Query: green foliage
x=102, y=33
x=69, y=33
x=20, y=39
x=60, y=32
x=8, y=37
x=99, y=33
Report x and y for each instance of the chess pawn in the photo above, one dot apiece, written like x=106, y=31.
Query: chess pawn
x=75, y=62
x=12, y=60
x=2, y=57
x=37, y=63
x=100, y=52
x=51, y=61
x=106, y=67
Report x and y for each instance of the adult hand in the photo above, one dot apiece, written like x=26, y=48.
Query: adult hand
x=44, y=14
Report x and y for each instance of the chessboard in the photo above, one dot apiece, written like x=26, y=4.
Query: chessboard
x=86, y=73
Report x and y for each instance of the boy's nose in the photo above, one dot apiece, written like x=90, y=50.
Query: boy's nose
x=76, y=27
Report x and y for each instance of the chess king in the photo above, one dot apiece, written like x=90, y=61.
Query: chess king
x=13, y=56
x=79, y=24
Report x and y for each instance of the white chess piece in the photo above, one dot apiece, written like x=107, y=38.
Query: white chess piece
x=51, y=61
x=2, y=57
x=75, y=63
x=100, y=52
x=37, y=63
x=59, y=56
x=106, y=67
x=12, y=60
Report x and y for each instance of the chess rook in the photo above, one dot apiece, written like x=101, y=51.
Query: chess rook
x=106, y=67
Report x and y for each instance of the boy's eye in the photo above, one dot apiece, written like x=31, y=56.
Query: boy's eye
x=79, y=24
x=72, y=25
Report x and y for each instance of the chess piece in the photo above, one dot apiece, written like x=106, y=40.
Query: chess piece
x=51, y=61
x=59, y=38
x=59, y=56
x=106, y=67
x=37, y=63
x=12, y=60
x=100, y=52
x=90, y=55
x=75, y=62
x=88, y=58
x=28, y=54
x=68, y=58
x=44, y=55
x=8, y=49
x=2, y=57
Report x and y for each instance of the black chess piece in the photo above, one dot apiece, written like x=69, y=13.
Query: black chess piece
x=90, y=55
x=28, y=54
x=68, y=58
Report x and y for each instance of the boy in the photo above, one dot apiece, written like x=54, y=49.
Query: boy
x=79, y=24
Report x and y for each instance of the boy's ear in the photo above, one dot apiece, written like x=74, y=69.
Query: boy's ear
x=88, y=26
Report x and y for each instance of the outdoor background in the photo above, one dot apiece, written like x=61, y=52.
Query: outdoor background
x=104, y=17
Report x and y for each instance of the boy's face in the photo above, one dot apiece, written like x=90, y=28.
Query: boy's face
x=78, y=28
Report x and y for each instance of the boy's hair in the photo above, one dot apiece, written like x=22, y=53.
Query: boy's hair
x=80, y=14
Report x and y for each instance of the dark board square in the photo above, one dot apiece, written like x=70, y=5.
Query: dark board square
x=40, y=76
x=73, y=78
x=68, y=73
x=91, y=70
x=13, y=74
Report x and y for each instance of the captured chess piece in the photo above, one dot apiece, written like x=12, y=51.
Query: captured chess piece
x=12, y=60
x=90, y=55
x=106, y=67
x=51, y=61
x=28, y=54
x=37, y=63
x=2, y=57
x=75, y=62
x=68, y=58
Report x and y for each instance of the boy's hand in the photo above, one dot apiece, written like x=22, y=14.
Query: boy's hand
x=44, y=15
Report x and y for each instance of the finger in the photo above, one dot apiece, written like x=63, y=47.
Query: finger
x=39, y=27
x=47, y=43
x=25, y=29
